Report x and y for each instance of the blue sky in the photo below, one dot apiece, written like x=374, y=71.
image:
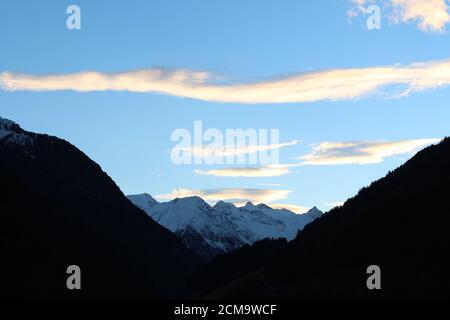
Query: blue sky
x=128, y=132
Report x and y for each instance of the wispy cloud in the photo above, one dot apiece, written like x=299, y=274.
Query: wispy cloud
x=302, y=87
x=291, y=207
x=234, y=195
x=329, y=153
x=361, y=152
x=430, y=15
x=232, y=150
x=249, y=172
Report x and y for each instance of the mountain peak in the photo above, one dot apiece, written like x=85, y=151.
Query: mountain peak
x=223, y=227
x=314, y=213
x=143, y=200
x=263, y=206
x=7, y=127
x=149, y=197
x=225, y=205
x=192, y=200
x=13, y=134
x=7, y=124
x=250, y=206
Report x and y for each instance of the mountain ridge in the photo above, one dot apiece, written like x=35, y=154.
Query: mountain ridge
x=60, y=208
x=387, y=224
x=211, y=230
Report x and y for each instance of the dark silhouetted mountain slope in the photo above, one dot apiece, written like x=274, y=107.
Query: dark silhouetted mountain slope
x=400, y=223
x=228, y=267
x=58, y=208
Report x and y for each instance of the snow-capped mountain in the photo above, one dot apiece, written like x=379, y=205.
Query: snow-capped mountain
x=210, y=230
x=11, y=132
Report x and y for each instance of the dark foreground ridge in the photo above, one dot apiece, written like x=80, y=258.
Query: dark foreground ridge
x=400, y=223
x=58, y=208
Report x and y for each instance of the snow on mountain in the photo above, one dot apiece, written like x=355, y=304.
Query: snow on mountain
x=210, y=230
x=314, y=213
x=7, y=124
x=143, y=201
x=12, y=133
x=6, y=127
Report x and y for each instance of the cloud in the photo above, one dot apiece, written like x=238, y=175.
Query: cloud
x=291, y=207
x=301, y=87
x=361, y=152
x=358, y=6
x=430, y=15
x=231, y=150
x=329, y=153
x=249, y=172
x=234, y=195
